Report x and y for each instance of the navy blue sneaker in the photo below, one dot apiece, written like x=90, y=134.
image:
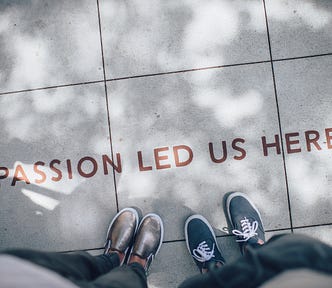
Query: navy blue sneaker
x=202, y=244
x=245, y=220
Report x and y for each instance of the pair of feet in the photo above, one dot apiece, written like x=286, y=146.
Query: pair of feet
x=246, y=223
x=135, y=240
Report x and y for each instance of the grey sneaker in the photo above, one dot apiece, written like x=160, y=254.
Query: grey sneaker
x=245, y=219
x=148, y=239
x=121, y=231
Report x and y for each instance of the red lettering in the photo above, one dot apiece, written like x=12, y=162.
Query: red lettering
x=19, y=170
x=6, y=172
x=224, y=153
x=237, y=148
x=176, y=155
x=275, y=144
x=69, y=169
x=140, y=163
x=39, y=172
x=159, y=158
x=56, y=170
x=328, y=134
x=290, y=142
x=106, y=159
x=94, y=164
x=310, y=140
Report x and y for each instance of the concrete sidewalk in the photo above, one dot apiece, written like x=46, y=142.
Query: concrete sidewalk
x=164, y=105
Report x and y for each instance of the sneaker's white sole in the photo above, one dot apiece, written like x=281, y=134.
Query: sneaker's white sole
x=200, y=217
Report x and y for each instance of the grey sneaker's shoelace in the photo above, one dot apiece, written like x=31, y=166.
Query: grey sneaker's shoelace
x=248, y=230
x=203, y=253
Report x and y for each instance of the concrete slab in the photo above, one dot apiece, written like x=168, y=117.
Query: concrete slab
x=299, y=28
x=322, y=233
x=304, y=92
x=194, y=109
x=165, y=118
x=47, y=43
x=141, y=37
x=45, y=138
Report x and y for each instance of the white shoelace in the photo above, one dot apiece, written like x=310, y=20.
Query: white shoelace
x=248, y=230
x=203, y=252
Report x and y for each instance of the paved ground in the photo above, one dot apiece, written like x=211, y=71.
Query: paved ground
x=187, y=99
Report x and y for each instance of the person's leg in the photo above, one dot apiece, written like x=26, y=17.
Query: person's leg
x=75, y=267
x=261, y=262
x=258, y=265
x=246, y=223
x=83, y=267
x=126, y=276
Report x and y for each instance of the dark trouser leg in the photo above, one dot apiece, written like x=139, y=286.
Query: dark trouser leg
x=130, y=276
x=86, y=270
x=76, y=267
x=279, y=254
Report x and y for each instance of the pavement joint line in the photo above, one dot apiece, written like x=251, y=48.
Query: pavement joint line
x=302, y=57
x=107, y=102
x=279, y=118
x=51, y=87
x=187, y=70
x=217, y=236
x=163, y=73
x=216, y=67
